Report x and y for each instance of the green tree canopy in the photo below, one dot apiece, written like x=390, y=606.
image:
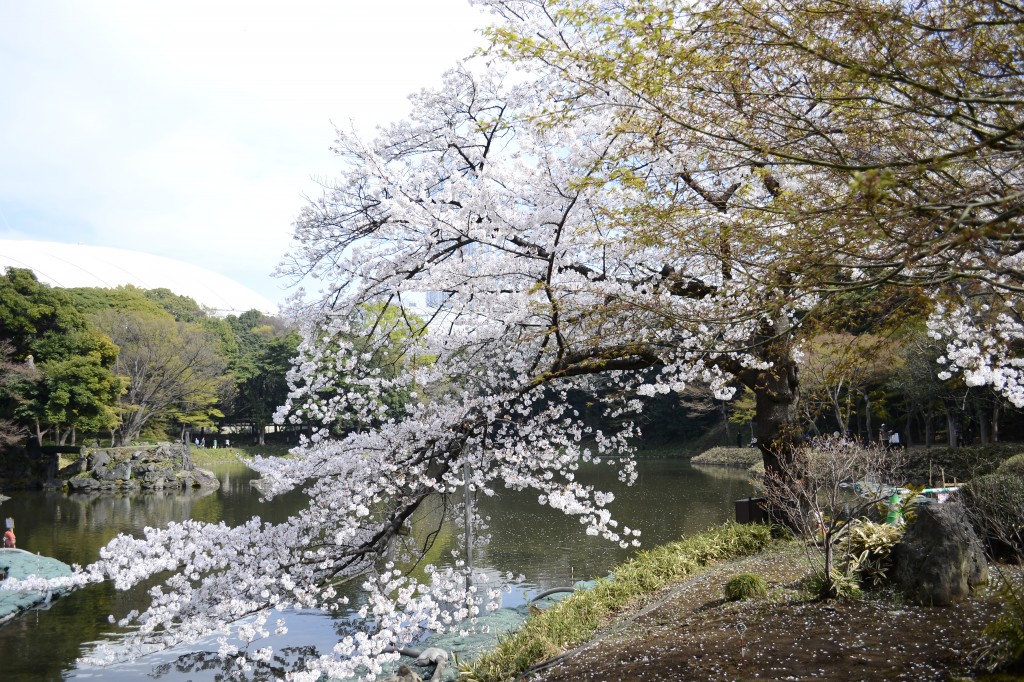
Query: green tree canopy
x=263, y=354
x=73, y=385
x=34, y=315
x=171, y=368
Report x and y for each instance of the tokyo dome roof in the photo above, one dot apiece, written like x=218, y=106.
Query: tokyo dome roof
x=78, y=265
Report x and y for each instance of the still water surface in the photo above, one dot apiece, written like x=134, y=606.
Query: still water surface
x=671, y=498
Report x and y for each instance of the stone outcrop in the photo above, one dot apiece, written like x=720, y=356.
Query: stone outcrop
x=149, y=467
x=940, y=558
x=405, y=674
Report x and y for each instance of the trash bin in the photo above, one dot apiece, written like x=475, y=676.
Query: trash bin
x=751, y=510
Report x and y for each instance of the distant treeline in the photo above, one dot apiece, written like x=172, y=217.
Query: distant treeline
x=125, y=364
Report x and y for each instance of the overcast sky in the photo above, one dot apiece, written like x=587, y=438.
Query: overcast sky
x=192, y=129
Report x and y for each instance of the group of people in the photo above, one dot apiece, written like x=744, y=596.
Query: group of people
x=201, y=443
x=891, y=439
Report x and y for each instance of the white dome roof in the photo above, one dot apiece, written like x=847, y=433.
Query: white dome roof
x=78, y=265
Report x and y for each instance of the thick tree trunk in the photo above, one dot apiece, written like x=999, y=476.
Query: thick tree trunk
x=983, y=423
x=725, y=421
x=129, y=429
x=951, y=438
x=777, y=397
x=929, y=425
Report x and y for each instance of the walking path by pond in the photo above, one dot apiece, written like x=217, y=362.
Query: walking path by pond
x=670, y=499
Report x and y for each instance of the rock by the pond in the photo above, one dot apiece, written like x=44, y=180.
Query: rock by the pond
x=432, y=655
x=405, y=674
x=152, y=467
x=940, y=558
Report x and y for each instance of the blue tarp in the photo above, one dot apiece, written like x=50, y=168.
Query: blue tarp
x=21, y=564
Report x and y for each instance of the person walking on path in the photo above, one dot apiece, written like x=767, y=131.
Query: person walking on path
x=10, y=542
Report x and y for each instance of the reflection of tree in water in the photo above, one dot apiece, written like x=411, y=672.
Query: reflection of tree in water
x=286, y=660
x=741, y=475
x=151, y=508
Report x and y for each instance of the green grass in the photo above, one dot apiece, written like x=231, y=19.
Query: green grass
x=578, y=618
x=733, y=457
x=204, y=457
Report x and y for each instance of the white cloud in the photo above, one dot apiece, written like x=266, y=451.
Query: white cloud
x=192, y=129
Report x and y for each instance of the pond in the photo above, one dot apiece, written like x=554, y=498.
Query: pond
x=671, y=498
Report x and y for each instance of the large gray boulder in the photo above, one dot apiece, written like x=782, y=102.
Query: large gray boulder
x=99, y=459
x=940, y=558
x=199, y=478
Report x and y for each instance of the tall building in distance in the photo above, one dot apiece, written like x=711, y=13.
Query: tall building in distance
x=435, y=299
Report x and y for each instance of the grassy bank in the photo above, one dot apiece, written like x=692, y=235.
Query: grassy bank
x=924, y=465
x=204, y=457
x=743, y=458
x=577, y=618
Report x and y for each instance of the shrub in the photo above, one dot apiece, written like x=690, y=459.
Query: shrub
x=962, y=464
x=839, y=586
x=995, y=505
x=868, y=550
x=822, y=506
x=1004, y=637
x=745, y=586
x=1014, y=466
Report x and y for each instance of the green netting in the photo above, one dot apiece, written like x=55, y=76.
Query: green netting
x=22, y=564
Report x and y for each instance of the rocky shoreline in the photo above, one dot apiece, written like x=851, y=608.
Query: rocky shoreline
x=149, y=467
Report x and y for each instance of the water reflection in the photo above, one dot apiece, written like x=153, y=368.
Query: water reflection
x=216, y=668
x=670, y=499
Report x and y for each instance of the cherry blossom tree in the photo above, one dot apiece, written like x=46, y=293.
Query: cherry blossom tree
x=888, y=132
x=549, y=286
x=654, y=194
